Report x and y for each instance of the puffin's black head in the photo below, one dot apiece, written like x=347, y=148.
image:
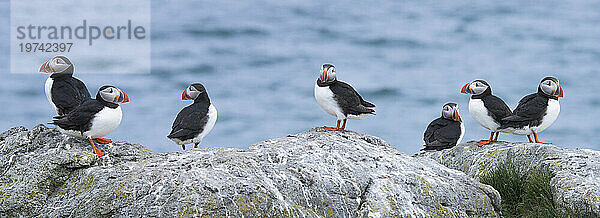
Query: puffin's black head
x=112, y=94
x=194, y=92
x=551, y=87
x=477, y=87
x=327, y=73
x=58, y=65
x=450, y=112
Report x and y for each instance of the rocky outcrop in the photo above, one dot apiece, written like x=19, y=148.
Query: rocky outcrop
x=577, y=180
x=311, y=174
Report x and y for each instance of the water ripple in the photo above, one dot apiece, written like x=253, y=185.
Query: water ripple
x=387, y=42
x=225, y=33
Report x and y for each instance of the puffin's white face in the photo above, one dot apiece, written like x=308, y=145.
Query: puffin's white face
x=113, y=94
x=550, y=86
x=450, y=111
x=57, y=64
x=476, y=87
x=327, y=73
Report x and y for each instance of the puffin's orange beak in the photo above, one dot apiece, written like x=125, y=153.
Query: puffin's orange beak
x=125, y=97
x=43, y=67
x=456, y=115
x=185, y=96
x=560, y=92
x=465, y=89
x=323, y=75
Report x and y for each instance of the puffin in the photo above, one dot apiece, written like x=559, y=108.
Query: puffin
x=446, y=131
x=64, y=92
x=94, y=118
x=487, y=109
x=194, y=121
x=339, y=99
x=536, y=111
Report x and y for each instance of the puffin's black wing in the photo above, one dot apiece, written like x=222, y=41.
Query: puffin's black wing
x=83, y=90
x=349, y=100
x=80, y=118
x=68, y=93
x=189, y=122
x=362, y=101
x=441, y=134
x=496, y=107
x=429, y=134
x=530, y=111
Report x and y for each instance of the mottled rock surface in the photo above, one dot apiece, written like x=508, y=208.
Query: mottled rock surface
x=577, y=180
x=310, y=174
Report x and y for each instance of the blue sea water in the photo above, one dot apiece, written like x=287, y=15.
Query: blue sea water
x=259, y=61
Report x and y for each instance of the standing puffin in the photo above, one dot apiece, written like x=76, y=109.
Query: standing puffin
x=339, y=99
x=64, y=92
x=94, y=118
x=535, y=112
x=487, y=109
x=195, y=121
x=446, y=131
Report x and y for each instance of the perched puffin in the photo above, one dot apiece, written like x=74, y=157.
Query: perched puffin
x=94, y=118
x=487, y=109
x=339, y=99
x=535, y=112
x=446, y=131
x=64, y=92
x=195, y=121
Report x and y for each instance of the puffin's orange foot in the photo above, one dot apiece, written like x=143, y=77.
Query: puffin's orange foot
x=331, y=128
x=103, y=140
x=537, y=140
x=99, y=152
x=482, y=143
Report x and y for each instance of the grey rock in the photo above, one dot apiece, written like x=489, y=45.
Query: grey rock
x=577, y=180
x=310, y=174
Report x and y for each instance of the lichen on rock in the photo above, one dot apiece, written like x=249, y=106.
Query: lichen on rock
x=577, y=171
x=310, y=174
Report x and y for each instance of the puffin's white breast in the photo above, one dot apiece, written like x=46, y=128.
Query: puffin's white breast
x=104, y=122
x=552, y=111
x=48, y=90
x=462, y=132
x=480, y=114
x=212, y=119
x=324, y=97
